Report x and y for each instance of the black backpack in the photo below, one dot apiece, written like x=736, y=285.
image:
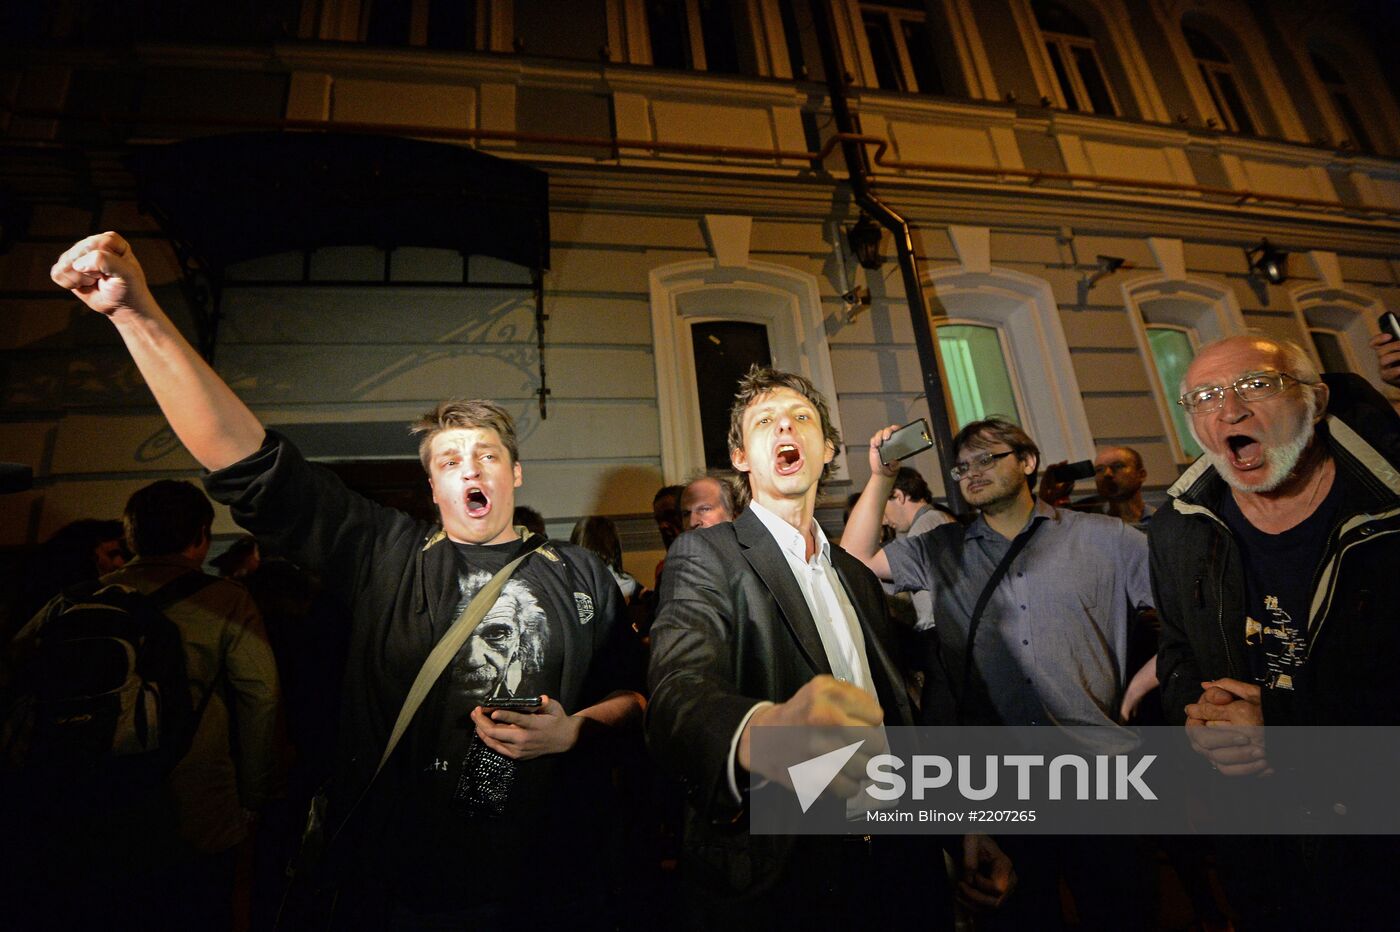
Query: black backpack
x=102, y=709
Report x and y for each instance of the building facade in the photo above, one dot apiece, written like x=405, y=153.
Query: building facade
x=1094, y=187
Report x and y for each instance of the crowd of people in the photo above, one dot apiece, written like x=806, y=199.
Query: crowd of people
x=462, y=704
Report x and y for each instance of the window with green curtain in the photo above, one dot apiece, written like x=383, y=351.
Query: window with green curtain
x=978, y=380
x=1172, y=352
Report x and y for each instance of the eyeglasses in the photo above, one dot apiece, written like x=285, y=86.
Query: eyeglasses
x=1255, y=386
x=979, y=463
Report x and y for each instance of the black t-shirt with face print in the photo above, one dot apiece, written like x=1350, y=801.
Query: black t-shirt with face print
x=469, y=806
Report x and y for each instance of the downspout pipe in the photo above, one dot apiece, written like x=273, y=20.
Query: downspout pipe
x=858, y=169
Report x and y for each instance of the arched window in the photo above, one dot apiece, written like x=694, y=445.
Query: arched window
x=1172, y=318
x=1074, y=58
x=1003, y=351
x=1220, y=79
x=1340, y=96
x=1339, y=323
x=745, y=307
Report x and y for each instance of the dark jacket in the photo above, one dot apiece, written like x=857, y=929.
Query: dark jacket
x=733, y=629
x=1353, y=626
x=399, y=577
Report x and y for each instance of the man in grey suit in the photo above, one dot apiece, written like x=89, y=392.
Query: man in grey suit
x=763, y=622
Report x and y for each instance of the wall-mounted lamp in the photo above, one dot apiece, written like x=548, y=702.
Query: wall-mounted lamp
x=1268, y=263
x=1105, y=266
x=864, y=240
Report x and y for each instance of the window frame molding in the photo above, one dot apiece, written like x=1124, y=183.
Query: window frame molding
x=1276, y=105
x=786, y=301
x=1113, y=18
x=1349, y=312
x=974, y=67
x=1216, y=315
x=1208, y=71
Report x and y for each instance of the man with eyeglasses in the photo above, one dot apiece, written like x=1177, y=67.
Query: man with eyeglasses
x=1275, y=572
x=1050, y=646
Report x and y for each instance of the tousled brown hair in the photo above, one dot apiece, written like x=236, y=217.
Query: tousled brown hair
x=760, y=381
x=999, y=429
x=456, y=413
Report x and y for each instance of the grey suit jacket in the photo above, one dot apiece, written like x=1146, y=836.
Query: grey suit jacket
x=733, y=629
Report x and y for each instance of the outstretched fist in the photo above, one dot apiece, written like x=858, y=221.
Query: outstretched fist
x=103, y=272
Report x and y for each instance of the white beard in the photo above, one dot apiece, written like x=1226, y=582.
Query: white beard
x=1279, y=462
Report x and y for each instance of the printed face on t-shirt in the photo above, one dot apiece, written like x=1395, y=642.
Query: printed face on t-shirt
x=506, y=646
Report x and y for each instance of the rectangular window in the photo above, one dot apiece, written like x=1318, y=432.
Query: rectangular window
x=1172, y=351
x=883, y=52
x=1235, y=109
x=538, y=32
x=901, y=46
x=918, y=42
x=452, y=24
x=724, y=350
x=978, y=379
x=669, y=28
x=1087, y=62
x=1353, y=121
x=1056, y=62
x=1330, y=350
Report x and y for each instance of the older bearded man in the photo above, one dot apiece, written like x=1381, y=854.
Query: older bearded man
x=1274, y=573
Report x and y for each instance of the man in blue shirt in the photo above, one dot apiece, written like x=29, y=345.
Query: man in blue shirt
x=1051, y=646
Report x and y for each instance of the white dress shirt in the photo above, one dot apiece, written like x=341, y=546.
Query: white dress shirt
x=835, y=617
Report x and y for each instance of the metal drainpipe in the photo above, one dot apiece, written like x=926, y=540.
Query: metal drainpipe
x=858, y=168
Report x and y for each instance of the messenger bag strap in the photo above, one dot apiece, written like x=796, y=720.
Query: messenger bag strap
x=447, y=648
x=1017, y=546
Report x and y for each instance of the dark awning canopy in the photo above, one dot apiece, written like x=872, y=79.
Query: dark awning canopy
x=236, y=197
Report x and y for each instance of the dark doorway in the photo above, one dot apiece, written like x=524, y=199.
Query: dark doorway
x=724, y=350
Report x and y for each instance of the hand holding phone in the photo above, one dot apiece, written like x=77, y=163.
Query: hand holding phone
x=1390, y=324
x=1387, y=347
x=914, y=437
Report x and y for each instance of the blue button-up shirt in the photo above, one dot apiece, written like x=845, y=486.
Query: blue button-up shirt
x=1052, y=646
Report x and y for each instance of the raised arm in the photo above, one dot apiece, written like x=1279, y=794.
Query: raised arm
x=861, y=536
x=210, y=420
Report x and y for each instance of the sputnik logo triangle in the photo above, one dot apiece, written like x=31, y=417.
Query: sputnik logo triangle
x=811, y=777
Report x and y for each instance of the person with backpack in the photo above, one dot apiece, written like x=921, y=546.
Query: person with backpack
x=148, y=703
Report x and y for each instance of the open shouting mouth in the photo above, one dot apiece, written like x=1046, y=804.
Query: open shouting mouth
x=478, y=503
x=1245, y=452
x=787, y=459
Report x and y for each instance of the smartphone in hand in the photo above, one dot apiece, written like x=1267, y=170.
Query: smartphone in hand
x=1390, y=324
x=912, y=438
x=1071, y=472
x=513, y=703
